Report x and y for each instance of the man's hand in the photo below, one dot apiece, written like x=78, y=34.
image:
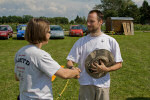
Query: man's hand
x=70, y=65
x=99, y=68
x=78, y=72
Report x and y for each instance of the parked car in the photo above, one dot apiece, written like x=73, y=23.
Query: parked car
x=75, y=30
x=56, y=32
x=18, y=27
x=84, y=28
x=6, y=31
x=21, y=31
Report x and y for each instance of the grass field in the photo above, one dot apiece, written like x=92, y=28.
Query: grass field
x=131, y=82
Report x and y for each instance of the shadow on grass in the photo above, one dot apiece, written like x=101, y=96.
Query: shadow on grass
x=15, y=38
x=73, y=36
x=57, y=38
x=138, y=98
x=3, y=39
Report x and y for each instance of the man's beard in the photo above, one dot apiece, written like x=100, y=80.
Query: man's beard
x=92, y=30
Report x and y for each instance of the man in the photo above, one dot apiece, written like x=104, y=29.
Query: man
x=92, y=88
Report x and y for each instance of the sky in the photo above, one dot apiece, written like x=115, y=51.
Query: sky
x=50, y=8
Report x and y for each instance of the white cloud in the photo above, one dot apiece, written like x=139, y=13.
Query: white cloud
x=50, y=8
x=140, y=2
x=2, y=1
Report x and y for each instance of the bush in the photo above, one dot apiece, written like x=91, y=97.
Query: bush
x=139, y=27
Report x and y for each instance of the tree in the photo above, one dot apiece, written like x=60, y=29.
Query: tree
x=77, y=19
x=13, y=19
x=132, y=11
x=84, y=19
x=64, y=20
x=26, y=18
x=4, y=19
x=51, y=20
x=43, y=17
x=109, y=7
x=80, y=20
x=19, y=19
x=145, y=13
x=72, y=22
x=114, y=8
x=61, y=20
x=0, y=19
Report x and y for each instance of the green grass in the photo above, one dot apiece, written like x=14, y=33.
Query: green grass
x=131, y=82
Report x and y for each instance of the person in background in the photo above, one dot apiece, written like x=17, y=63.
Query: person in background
x=92, y=88
x=34, y=67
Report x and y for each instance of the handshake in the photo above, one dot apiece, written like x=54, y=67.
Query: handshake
x=76, y=70
x=67, y=73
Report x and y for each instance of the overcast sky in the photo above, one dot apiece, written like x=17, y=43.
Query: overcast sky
x=50, y=8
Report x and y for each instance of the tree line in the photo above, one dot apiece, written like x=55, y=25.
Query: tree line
x=25, y=18
x=110, y=8
x=56, y=20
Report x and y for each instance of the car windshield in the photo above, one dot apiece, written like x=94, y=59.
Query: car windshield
x=75, y=27
x=83, y=27
x=18, y=27
x=3, y=28
x=58, y=28
x=23, y=28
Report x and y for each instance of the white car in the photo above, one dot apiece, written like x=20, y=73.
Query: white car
x=56, y=32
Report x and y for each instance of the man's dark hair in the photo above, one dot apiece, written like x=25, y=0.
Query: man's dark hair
x=99, y=14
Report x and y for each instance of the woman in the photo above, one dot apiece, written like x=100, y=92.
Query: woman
x=34, y=67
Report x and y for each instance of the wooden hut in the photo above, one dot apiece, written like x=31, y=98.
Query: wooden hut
x=120, y=25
